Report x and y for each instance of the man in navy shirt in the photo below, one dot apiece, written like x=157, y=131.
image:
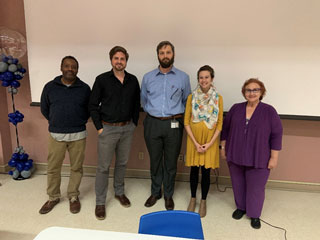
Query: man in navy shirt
x=64, y=103
x=164, y=93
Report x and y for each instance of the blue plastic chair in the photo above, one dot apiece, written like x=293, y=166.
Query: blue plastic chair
x=172, y=223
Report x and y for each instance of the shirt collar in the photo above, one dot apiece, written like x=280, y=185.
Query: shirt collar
x=173, y=70
x=59, y=81
x=112, y=73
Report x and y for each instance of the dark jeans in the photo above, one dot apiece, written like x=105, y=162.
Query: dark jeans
x=163, y=143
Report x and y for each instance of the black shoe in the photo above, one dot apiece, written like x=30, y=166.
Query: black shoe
x=255, y=223
x=238, y=214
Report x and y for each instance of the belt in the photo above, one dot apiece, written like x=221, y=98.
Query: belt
x=118, y=124
x=168, y=118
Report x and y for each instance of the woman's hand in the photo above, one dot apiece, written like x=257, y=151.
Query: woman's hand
x=223, y=154
x=206, y=146
x=198, y=147
x=273, y=162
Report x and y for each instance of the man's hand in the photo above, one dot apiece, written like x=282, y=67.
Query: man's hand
x=100, y=131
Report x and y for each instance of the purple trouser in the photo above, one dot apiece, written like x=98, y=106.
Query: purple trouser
x=248, y=185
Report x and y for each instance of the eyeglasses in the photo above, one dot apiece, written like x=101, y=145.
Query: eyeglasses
x=255, y=90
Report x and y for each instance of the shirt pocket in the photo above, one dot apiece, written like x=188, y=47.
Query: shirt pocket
x=175, y=93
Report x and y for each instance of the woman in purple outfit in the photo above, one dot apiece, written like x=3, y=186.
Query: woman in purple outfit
x=251, y=141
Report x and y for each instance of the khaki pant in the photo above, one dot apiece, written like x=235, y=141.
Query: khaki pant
x=56, y=155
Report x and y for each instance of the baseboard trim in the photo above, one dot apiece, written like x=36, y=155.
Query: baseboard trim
x=41, y=168
x=4, y=168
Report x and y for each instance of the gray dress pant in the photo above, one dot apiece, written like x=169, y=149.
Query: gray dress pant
x=113, y=139
x=164, y=144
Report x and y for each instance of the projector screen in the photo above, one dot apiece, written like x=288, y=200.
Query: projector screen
x=275, y=41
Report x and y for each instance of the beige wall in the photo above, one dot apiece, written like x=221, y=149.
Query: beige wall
x=299, y=159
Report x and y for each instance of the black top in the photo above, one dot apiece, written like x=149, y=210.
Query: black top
x=111, y=101
x=66, y=108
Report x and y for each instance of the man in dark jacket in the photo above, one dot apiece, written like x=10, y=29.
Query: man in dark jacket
x=64, y=103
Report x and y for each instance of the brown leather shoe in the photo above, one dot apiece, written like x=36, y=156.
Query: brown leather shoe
x=169, y=204
x=48, y=206
x=151, y=201
x=100, y=212
x=74, y=205
x=124, y=201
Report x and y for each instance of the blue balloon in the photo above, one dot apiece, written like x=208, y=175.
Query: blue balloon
x=12, y=163
x=15, y=84
x=15, y=156
x=10, y=173
x=28, y=164
x=26, y=168
x=15, y=117
x=5, y=83
x=8, y=76
x=23, y=156
x=19, y=166
x=15, y=61
x=13, y=121
x=22, y=70
x=19, y=114
x=18, y=77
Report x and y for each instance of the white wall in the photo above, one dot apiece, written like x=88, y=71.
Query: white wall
x=277, y=41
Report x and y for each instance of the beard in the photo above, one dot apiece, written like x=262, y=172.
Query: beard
x=166, y=62
x=119, y=67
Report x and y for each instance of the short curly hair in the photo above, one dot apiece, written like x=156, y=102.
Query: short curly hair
x=257, y=81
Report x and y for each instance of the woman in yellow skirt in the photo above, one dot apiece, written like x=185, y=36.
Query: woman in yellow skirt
x=203, y=123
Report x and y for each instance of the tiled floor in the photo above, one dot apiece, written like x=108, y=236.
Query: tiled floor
x=20, y=202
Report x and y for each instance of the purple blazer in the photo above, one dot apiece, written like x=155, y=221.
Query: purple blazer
x=250, y=145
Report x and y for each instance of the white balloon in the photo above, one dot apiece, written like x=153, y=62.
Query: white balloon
x=12, y=43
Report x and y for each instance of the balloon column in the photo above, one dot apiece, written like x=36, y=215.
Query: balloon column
x=13, y=46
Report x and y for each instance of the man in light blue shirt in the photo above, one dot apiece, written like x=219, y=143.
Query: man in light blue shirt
x=164, y=93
